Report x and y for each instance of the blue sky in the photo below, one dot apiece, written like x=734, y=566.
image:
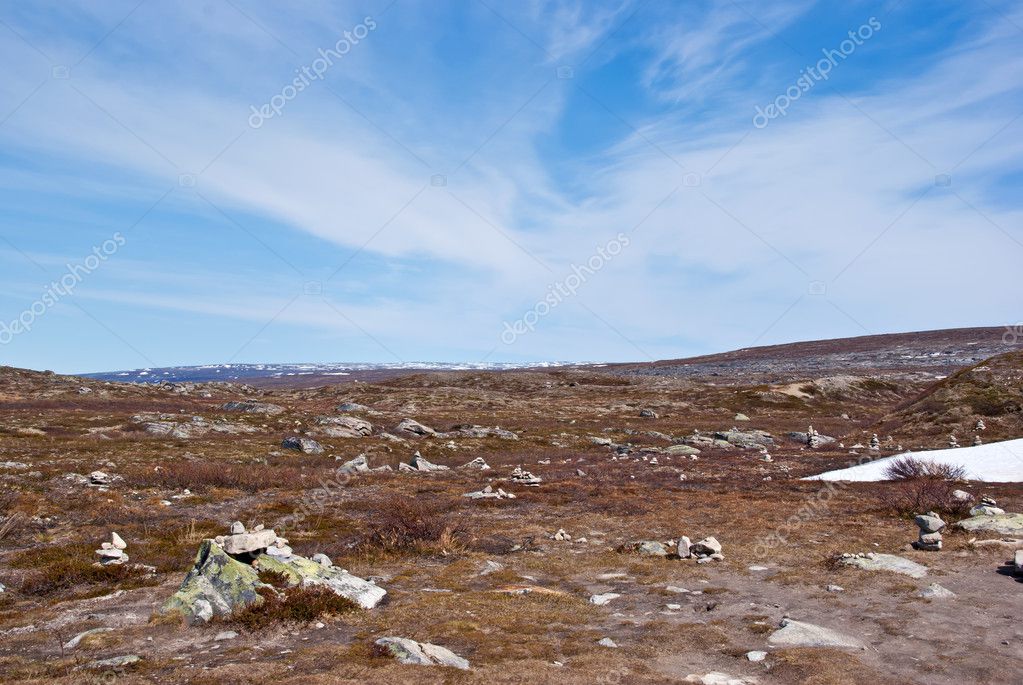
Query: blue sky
x=458, y=163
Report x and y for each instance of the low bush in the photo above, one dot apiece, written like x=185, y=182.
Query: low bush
x=408, y=524
x=292, y=605
x=906, y=468
x=922, y=486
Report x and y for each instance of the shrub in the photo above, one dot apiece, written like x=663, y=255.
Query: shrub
x=922, y=486
x=201, y=476
x=293, y=605
x=409, y=524
x=905, y=468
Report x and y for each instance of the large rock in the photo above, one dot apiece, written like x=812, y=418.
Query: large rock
x=753, y=439
x=254, y=408
x=885, y=562
x=411, y=427
x=305, y=445
x=929, y=523
x=358, y=465
x=680, y=450
x=245, y=543
x=479, y=463
x=345, y=426
x=218, y=582
x=420, y=653
x=799, y=634
x=306, y=572
x=1001, y=524
x=418, y=463
x=474, y=431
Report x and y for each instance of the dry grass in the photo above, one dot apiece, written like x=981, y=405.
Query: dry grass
x=290, y=606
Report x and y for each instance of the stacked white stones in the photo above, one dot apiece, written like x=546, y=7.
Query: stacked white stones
x=977, y=442
x=952, y=441
x=930, y=525
x=875, y=442
x=258, y=540
x=987, y=507
x=980, y=425
x=523, y=477
x=813, y=439
x=112, y=553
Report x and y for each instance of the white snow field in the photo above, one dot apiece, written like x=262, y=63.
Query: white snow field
x=999, y=462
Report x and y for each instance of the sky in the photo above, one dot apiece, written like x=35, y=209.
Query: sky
x=239, y=181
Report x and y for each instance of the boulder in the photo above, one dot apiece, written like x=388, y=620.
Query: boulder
x=347, y=407
x=358, y=465
x=935, y=591
x=683, y=548
x=885, y=562
x=929, y=523
x=246, y=543
x=602, y=599
x=650, y=548
x=414, y=653
x=411, y=427
x=799, y=634
x=418, y=463
x=1017, y=562
x=217, y=585
x=706, y=547
x=306, y=572
x=253, y=408
x=474, y=431
x=647, y=414
x=680, y=450
x=305, y=445
x=345, y=426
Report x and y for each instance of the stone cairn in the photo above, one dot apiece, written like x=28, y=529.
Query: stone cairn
x=875, y=442
x=930, y=525
x=980, y=425
x=977, y=442
x=952, y=441
x=813, y=438
x=112, y=553
x=523, y=477
x=259, y=540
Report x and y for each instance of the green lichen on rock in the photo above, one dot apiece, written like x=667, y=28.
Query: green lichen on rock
x=305, y=572
x=217, y=579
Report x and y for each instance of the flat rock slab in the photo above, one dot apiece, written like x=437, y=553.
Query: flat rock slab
x=799, y=634
x=1002, y=524
x=887, y=562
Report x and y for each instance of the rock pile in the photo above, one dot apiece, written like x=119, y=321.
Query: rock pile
x=522, y=477
x=112, y=553
x=489, y=493
x=225, y=576
x=100, y=479
x=930, y=525
x=474, y=431
x=987, y=507
x=952, y=441
x=875, y=442
x=479, y=463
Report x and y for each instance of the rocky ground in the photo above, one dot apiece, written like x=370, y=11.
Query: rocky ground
x=575, y=577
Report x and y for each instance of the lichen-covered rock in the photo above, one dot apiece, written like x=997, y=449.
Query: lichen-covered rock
x=420, y=653
x=217, y=579
x=1002, y=524
x=306, y=572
